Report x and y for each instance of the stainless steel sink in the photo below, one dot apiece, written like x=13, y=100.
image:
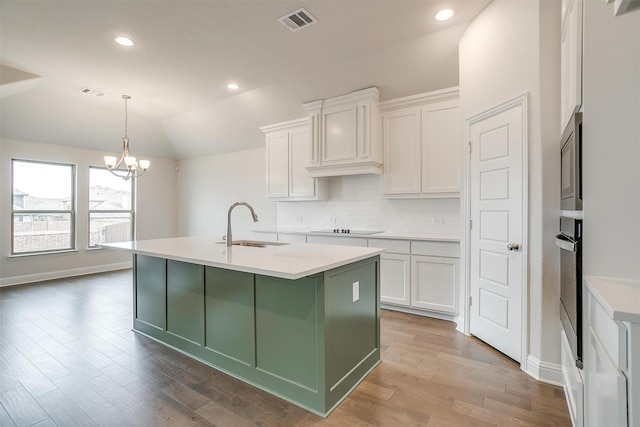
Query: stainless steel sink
x=253, y=243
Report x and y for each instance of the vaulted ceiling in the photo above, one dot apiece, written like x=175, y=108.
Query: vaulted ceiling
x=186, y=52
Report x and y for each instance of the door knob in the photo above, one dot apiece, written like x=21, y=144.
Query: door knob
x=513, y=247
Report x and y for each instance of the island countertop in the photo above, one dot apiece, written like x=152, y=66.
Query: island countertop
x=290, y=261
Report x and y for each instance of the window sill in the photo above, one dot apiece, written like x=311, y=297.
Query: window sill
x=45, y=254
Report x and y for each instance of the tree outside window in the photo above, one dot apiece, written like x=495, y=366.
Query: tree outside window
x=43, y=207
x=111, y=204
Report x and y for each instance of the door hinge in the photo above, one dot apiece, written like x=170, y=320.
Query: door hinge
x=470, y=301
x=469, y=147
x=470, y=224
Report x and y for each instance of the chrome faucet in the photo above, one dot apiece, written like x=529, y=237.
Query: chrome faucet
x=253, y=213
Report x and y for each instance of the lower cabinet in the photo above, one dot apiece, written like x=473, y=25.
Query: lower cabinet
x=422, y=275
x=607, y=387
x=185, y=299
x=608, y=364
x=309, y=341
x=434, y=283
x=395, y=279
x=150, y=295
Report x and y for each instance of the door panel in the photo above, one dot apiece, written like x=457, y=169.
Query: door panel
x=300, y=185
x=497, y=220
x=395, y=274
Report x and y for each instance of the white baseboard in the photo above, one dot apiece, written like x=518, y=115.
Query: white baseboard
x=425, y=313
x=50, y=275
x=550, y=373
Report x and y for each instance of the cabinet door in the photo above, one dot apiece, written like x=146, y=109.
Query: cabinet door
x=606, y=387
x=441, y=148
x=401, y=138
x=185, y=301
x=338, y=143
x=570, y=60
x=277, y=147
x=434, y=283
x=395, y=277
x=151, y=290
x=300, y=185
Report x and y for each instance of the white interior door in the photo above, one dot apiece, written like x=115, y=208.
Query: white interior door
x=496, y=237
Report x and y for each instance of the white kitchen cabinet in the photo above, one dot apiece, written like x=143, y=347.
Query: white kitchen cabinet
x=421, y=143
x=611, y=352
x=570, y=60
x=402, y=142
x=434, y=283
x=421, y=276
x=287, y=154
x=395, y=271
x=345, y=135
x=573, y=383
x=607, y=391
x=395, y=279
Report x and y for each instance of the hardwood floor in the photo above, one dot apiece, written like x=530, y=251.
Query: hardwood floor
x=68, y=357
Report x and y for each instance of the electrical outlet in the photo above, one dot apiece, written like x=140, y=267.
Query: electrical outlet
x=300, y=219
x=437, y=220
x=356, y=291
x=333, y=220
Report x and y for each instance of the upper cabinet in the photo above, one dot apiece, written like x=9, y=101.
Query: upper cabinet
x=287, y=152
x=421, y=140
x=345, y=136
x=570, y=60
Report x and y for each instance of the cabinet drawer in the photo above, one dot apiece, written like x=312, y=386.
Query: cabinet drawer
x=431, y=248
x=394, y=246
x=612, y=335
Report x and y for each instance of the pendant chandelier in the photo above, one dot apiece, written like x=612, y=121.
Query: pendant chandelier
x=126, y=166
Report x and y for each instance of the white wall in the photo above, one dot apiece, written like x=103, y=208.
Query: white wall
x=611, y=145
x=357, y=202
x=155, y=214
x=513, y=48
x=208, y=185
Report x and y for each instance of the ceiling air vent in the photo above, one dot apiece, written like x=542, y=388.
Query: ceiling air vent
x=298, y=20
x=93, y=92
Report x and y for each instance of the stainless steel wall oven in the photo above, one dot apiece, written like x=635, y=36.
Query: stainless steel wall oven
x=570, y=238
x=571, y=165
x=570, y=242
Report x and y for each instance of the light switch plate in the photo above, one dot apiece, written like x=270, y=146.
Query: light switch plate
x=356, y=291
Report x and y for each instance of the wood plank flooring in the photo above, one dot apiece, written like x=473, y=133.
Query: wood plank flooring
x=68, y=357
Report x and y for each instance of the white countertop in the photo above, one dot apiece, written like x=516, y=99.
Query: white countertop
x=384, y=235
x=620, y=298
x=291, y=261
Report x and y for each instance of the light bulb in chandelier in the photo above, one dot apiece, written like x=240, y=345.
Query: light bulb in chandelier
x=126, y=166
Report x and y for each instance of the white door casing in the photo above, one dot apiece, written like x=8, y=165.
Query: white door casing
x=497, y=236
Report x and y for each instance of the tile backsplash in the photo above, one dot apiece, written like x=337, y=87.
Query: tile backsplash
x=356, y=202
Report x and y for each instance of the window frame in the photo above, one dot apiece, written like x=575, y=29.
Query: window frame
x=71, y=212
x=90, y=211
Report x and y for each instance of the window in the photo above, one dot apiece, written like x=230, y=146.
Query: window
x=43, y=207
x=110, y=207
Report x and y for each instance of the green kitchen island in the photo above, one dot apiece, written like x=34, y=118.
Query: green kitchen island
x=299, y=321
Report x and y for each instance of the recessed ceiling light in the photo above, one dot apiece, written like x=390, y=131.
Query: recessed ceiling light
x=233, y=86
x=124, y=41
x=444, y=14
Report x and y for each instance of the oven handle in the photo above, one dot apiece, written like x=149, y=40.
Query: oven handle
x=565, y=242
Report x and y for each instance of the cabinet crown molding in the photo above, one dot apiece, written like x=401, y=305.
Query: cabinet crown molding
x=305, y=121
x=370, y=94
x=420, y=99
